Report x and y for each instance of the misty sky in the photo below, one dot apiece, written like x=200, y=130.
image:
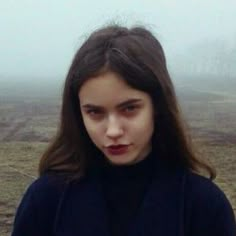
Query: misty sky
x=39, y=38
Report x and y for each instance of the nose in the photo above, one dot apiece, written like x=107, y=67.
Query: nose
x=114, y=128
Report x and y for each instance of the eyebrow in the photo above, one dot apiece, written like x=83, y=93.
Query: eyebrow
x=125, y=103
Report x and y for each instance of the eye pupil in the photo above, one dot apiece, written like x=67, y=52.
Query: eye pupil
x=130, y=108
x=93, y=112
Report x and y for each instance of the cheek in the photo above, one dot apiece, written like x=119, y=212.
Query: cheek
x=144, y=124
x=93, y=130
x=145, y=131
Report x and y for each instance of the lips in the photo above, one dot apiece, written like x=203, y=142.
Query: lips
x=117, y=146
x=117, y=149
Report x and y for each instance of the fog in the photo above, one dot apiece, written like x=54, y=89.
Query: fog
x=39, y=38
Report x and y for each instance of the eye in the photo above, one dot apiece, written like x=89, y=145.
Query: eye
x=94, y=112
x=130, y=109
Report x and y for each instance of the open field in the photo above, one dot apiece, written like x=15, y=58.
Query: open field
x=27, y=124
x=212, y=122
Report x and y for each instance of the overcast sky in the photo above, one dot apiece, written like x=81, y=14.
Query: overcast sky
x=39, y=38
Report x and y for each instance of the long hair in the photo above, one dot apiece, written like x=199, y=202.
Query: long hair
x=138, y=57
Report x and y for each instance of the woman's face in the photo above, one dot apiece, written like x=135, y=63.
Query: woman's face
x=118, y=118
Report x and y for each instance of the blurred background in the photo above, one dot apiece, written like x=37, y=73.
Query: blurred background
x=38, y=40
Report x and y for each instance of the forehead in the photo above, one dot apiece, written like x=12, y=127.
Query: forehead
x=108, y=88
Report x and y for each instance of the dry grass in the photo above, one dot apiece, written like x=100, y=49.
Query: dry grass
x=18, y=168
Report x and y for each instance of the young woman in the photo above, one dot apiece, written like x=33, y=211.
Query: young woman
x=122, y=163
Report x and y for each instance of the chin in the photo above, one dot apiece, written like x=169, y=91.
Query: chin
x=119, y=161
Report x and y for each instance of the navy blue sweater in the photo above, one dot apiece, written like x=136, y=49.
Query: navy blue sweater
x=176, y=203
x=124, y=188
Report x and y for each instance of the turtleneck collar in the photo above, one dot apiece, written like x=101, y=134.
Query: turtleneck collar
x=136, y=170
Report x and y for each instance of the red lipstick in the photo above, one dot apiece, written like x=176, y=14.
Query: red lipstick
x=118, y=149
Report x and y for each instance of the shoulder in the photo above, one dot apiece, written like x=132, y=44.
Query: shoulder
x=46, y=186
x=203, y=188
x=38, y=206
x=44, y=191
x=51, y=188
x=207, y=207
x=205, y=193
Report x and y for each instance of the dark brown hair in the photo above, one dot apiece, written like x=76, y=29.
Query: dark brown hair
x=138, y=57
